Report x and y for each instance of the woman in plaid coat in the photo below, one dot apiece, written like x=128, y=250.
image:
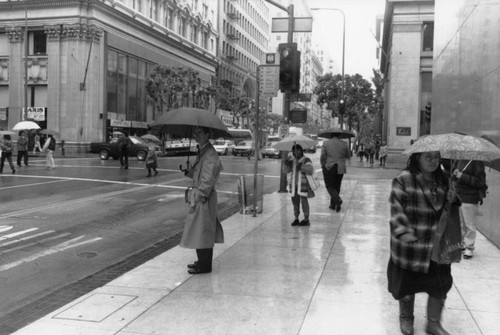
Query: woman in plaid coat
x=417, y=199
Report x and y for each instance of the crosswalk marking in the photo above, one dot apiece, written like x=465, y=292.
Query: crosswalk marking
x=60, y=247
x=26, y=238
x=34, y=243
x=5, y=237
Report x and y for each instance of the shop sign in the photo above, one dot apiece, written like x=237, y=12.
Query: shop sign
x=35, y=113
x=121, y=123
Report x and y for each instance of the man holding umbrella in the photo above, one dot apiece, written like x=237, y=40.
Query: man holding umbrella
x=334, y=154
x=202, y=228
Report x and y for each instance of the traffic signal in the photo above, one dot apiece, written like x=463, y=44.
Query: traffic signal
x=342, y=107
x=428, y=109
x=289, y=67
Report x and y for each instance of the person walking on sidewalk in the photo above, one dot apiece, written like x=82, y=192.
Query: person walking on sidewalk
x=49, y=147
x=334, y=154
x=469, y=179
x=22, y=149
x=418, y=196
x=202, y=227
x=299, y=166
x=383, y=153
x=6, y=149
x=37, y=143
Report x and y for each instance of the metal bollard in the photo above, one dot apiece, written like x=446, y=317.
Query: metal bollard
x=62, y=147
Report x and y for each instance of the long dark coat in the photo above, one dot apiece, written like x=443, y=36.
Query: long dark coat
x=202, y=227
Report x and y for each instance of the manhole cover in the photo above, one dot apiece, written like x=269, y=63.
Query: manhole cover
x=87, y=254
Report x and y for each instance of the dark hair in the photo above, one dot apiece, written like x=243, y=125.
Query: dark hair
x=6, y=136
x=297, y=147
x=413, y=166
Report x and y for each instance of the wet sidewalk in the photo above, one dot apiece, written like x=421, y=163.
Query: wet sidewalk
x=272, y=278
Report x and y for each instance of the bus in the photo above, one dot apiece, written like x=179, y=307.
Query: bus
x=239, y=135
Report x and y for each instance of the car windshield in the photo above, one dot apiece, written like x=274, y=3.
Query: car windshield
x=136, y=140
x=220, y=142
x=245, y=144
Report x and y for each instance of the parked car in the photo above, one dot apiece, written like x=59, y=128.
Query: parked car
x=139, y=148
x=224, y=147
x=180, y=147
x=244, y=148
x=269, y=151
x=311, y=150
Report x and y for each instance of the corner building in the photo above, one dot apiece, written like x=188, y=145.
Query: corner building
x=87, y=61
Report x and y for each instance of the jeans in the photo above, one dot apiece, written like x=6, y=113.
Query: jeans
x=468, y=218
x=20, y=155
x=8, y=156
x=296, y=200
x=49, y=158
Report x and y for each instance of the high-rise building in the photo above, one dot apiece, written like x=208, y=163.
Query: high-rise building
x=87, y=61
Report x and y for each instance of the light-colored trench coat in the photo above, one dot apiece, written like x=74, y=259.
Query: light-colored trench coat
x=202, y=227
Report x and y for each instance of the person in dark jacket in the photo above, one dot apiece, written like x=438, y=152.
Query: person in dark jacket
x=124, y=144
x=22, y=149
x=418, y=196
x=469, y=179
x=6, y=146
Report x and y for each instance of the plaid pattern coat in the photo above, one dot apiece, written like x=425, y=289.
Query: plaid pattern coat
x=415, y=210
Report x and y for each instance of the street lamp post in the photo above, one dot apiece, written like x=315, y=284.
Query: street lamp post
x=342, y=92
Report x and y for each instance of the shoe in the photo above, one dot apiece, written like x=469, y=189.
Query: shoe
x=156, y=172
x=304, y=223
x=338, y=206
x=14, y=172
x=196, y=270
x=296, y=222
x=332, y=207
x=148, y=176
x=126, y=167
x=468, y=253
x=193, y=265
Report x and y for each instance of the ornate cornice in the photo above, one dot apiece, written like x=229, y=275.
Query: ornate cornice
x=15, y=34
x=74, y=31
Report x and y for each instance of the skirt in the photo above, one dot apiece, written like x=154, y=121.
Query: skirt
x=437, y=282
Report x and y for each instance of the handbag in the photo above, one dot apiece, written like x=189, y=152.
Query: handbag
x=312, y=180
x=448, y=239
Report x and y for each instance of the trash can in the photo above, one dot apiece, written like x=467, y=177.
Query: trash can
x=246, y=196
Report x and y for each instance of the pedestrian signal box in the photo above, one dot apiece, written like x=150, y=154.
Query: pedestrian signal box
x=289, y=68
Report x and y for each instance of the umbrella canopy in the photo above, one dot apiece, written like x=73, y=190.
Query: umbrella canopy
x=456, y=146
x=151, y=137
x=7, y=132
x=23, y=125
x=50, y=132
x=341, y=133
x=288, y=142
x=181, y=122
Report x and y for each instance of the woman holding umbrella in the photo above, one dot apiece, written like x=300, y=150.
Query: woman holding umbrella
x=6, y=149
x=202, y=228
x=418, y=197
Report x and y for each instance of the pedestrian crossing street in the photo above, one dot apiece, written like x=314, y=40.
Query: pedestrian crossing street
x=13, y=240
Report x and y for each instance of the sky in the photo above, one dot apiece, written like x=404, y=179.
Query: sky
x=360, y=44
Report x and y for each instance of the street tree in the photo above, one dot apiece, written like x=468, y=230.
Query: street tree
x=358, y=96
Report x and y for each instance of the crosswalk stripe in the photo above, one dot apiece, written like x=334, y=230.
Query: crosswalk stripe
x=34, y=243
x=60, y=247
x=26, y=238
x=4, y=237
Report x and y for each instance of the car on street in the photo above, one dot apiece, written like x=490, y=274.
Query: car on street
x=139, y=148
x=180, y=147
x=224, y=147
x=269, y=151
x=244, y=148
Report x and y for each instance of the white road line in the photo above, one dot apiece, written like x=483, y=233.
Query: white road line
x=33, y=184
x=4, y=237
x=5, y=228
x=26, y=238
x=34, y=243
x=60, y=247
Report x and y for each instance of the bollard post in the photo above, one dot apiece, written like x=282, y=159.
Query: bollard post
x=62, y=148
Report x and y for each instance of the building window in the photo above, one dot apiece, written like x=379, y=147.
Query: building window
x=428, y=36
x=37, y=42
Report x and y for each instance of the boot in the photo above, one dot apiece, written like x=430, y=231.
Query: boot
x=434, y=309
x=406, y=317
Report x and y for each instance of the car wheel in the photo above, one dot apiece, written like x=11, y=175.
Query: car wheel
x=141, y=155
x=225, y=152
x=104, y=154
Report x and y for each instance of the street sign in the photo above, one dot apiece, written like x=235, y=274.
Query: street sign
x=300, y=25
x=269, y=74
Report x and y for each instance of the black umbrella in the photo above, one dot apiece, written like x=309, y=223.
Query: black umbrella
x=341, y=133
x=183, y=120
